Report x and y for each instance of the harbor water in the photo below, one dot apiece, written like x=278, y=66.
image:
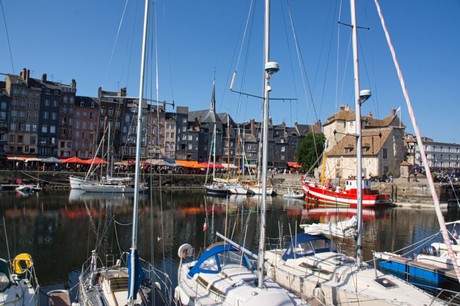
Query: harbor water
x=61, y=228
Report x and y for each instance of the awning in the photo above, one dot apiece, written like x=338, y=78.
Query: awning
x=189, y=164
x=50, y=160
x=293, y=165
x=95, y=161
x=19, y=158
x=229, y=166
x=210, y=165
x=72, y=160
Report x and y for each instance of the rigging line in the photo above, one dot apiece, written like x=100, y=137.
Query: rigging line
x=245, y=32
x=306, y=84
x=116, y=40
x=7, y=37
x=439, y=214
x=168, y=54
x=6, y=239
x=327, y=62
x=337, y=58
x=292, y=67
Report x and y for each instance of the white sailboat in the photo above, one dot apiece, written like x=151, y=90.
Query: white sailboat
x=225, y=274
x=106, y=183
x=129, y=280
x=311, y=265
x=18, y=282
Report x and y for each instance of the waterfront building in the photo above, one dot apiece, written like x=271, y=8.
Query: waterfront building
x=65, y=125
x=83, y=119
x=5, y=102
x=383, y=148
x=441, y=156
x=25, y=94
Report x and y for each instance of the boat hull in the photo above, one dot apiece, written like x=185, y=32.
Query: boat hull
x=328, y=197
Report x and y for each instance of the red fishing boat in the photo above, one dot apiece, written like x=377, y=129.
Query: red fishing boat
x=335, y=196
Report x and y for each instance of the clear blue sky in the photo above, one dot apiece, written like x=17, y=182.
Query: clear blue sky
x=200, y=40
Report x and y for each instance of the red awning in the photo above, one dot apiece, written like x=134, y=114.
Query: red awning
x=211, y=165
x=97, y=161
x=72, y=160
x=293, y=165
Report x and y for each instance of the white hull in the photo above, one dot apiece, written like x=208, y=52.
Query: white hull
x=334, y=279
x=109, y=188
x=235, y=284
x=257, y=190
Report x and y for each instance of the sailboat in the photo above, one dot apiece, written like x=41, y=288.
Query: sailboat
x=107, y=183
x=314, y=268
x=128, y=280
x=225, y=273
x=214, y=187
x=18, y=282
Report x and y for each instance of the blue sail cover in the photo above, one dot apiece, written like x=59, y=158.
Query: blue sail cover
x=138, y=274
x=320, y=241
x=212, y=255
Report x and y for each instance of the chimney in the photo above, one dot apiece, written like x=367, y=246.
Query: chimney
x=370, y=114
x=74, y=85
x=123, y=92
x=251, y=121
x=342, y=107
x=393, y=112
x=44, y=77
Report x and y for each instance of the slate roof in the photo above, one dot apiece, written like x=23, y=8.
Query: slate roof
x=369, y=121
x=372, y=142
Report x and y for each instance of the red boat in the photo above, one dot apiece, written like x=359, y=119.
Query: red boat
x=330, y=196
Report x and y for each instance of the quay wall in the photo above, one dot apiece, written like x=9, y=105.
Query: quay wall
x=400, y=190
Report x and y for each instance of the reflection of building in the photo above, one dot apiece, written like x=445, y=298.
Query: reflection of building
x=440, y=155
x=382, y=144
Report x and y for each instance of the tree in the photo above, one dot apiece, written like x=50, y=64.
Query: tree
x=310, y=150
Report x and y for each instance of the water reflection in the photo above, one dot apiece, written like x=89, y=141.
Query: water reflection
x=59, y=229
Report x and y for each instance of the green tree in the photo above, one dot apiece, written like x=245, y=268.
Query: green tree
x=310, y=150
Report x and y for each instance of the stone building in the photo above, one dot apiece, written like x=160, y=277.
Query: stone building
x=383, y=147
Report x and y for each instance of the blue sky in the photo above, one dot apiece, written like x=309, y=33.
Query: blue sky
x=197, y=41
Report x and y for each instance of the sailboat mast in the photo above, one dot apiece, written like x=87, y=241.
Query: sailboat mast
x=264, y=146
x=138, y=156
x=359, y=246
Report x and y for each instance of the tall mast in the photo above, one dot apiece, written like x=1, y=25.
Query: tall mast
x=138, y=155
x=358, y=101
x=264, y=146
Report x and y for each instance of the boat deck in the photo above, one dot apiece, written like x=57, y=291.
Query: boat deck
x=59, y=298
x=409, y=262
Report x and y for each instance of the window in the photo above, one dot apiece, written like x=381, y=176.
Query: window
x=12, y=126
x=12, y=138
x=33, y=140
x=384, y=153
x=53, y=129
x=44, y=128
x=46, y=115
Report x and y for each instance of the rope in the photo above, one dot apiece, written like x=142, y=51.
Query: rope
x=439, y=214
